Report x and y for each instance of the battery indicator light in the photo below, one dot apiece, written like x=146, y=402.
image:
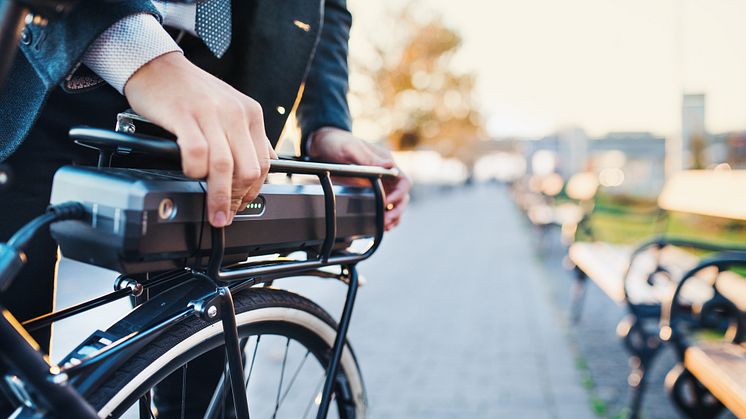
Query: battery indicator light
x=255, y=207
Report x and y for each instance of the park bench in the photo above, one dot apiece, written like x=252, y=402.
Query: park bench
x=721, y=368
x=712, y=371
x=539, y=197
x=645, y=277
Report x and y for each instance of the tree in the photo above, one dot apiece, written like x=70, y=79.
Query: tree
x=409, y=87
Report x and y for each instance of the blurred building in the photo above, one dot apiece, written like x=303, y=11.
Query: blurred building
x=693, y=131
x=631, y=163
x=638, y=156
x=636, y=163
x=569, y=146
x=728, y=147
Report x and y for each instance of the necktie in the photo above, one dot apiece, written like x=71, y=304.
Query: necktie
x=213, y=25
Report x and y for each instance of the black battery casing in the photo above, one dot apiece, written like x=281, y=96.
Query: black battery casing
x=131, y=227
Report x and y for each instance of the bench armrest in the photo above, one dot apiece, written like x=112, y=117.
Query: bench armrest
x=671, y=313
x=662, y=241
x=699, y=244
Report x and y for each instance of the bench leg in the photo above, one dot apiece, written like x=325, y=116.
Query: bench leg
x=637, y=381
x=577, y=295
x=641, y=340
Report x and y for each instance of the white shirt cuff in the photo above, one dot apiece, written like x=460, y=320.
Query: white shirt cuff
x=126, y=46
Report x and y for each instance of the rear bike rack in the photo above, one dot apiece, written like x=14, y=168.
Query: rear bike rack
x=52, y=381
x=232, y=280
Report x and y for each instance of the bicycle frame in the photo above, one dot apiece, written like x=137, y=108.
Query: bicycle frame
x=209, y=296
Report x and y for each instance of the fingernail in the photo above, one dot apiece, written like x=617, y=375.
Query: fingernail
x=219, y=219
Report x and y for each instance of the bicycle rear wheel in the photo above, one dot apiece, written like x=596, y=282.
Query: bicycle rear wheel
x=287, y=342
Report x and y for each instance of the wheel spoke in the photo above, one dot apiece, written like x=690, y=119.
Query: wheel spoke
x=316, y=397
x=289, y=379
x=295, y=375
x=223, y=396
x=146, y=411
x=253, y=358
x=218, y=396
x=183, y=390
x=282, y=376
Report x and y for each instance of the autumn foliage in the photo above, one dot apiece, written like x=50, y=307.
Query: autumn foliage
x=412, y=90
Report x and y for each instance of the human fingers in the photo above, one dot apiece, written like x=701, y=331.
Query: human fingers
x=246, y=169
x=397, y=188
x=384, y=156
x=256, y=189
x=358, y=153
x=392, y=217
x=220, y=171
x=263, y=148
x=366, y=155
x=397, y=198
x=193, y=148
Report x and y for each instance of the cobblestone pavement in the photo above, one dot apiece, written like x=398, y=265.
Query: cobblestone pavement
x=456, y=319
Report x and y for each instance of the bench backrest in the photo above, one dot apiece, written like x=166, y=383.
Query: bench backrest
x=706, y=192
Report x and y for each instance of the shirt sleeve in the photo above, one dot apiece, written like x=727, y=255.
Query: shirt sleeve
x=126, y=46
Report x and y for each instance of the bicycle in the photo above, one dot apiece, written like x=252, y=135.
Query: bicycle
x=192, y=309
x=194, y=289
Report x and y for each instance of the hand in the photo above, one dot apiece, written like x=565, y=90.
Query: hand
x=220, y=131
x=339, y=146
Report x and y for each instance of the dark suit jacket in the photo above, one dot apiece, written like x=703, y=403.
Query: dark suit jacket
x=277, y=47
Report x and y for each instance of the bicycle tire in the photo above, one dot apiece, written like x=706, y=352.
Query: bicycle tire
x=257, y=309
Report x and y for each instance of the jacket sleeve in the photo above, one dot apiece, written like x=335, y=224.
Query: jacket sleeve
x=55, y=49
x=324, y=100
x=49, y=53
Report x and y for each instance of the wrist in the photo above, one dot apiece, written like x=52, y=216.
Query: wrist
x=144, y=76
x=315, y=141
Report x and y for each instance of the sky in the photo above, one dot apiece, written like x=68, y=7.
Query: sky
x=603, y=65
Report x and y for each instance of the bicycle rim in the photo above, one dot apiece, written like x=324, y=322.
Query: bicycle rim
x=287, y=340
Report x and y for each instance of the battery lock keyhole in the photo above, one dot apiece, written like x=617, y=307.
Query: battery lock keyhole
x=166, y=209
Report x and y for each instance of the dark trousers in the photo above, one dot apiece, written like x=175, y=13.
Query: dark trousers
x=33, y=165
